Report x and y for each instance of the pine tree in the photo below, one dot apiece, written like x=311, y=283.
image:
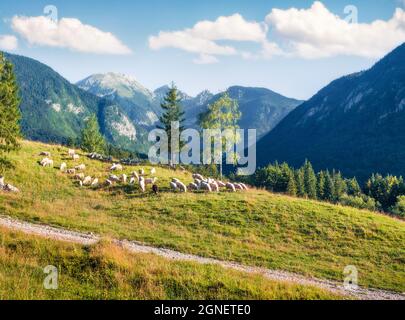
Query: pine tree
x=353, y=187
x=172, y=112
x=309, y=180
x=291, y=186
x=339, y=186
x=91, y=139
x=300, y=183
x=9, y=113
x=329, y=187
x=320, y=186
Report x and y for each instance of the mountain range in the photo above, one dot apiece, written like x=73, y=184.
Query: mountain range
x=55, y=110
x=355, y=124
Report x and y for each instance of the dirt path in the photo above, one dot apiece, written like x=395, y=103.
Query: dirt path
x=133, y=246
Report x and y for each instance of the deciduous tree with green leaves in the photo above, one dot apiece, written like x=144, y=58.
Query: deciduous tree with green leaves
x=92, y=139
x=223, y=114
x=9, y=113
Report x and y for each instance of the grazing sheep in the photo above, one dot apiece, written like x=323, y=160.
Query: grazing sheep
x=132, y=180
x=71, y=152
x=94, y=183
x=75, y=157
x=141, y=172
x=175, y=180
x=173, y=186
x=193, y=186
x=11, y=188
x=244, y=186
x=205, y=186
x=152, y=171
x=182, y=187
x=231, y=187
x=46, y=162
x=79, y=176
x=71, y=171
x=109, y=183
x=63, y=167
x=221, y=184
x=214, y=186
x=114, y=178
x=238, y=186
x=116, y=167
x=124, y=178
x=80, y=183
x=142, y=184
x=1, y=182
x=45, y=154
x=155, y=189
x=135, y=175
x=87, y=181
x=198, y=176
x=150, y=181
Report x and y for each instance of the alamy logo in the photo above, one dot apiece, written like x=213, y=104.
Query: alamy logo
x=51, y=280
x=187, y=147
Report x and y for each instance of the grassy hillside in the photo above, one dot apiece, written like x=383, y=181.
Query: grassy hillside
x=254, y=228
x=105, y=271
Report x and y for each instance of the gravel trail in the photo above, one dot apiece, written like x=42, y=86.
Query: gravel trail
x=136, y=247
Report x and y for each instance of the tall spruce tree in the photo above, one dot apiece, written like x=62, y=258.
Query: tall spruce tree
x=329, y=187
x=91, y=139
x=320, y=186
x=9, y=113
x=172, y=112
x=291, y=185
x=300, y=183
x=339, y=186
x=309, y=180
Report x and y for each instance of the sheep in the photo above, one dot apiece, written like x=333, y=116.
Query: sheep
x=87, y=181
x=173, y=186
x=193, y=186
x=231, y=187
x=75, y=157
x=2, y=182
x=142, y=184
x=109, y=183
x=205, y=186
x=71, y=152
x=114, y=178
x=63, y=167
x=152, y=171
x=221, y=184
x=214, y=186
x=244, y=186
x=175, y=180
x=46, y=162
x=11, y=188
x=150, y=181
x=79, y=176
x=141, y=172
x=45, y=154
x=124, y=178
x=182, y=187
x=132, y=180
x=198, y=176
x=81, y=167
x=238, y=186
x=116, y=167
x=94, y=183
x=135, y=175
x=155, y=189
x=71, y=171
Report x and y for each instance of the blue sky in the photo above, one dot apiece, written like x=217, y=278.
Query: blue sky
x=294, y=73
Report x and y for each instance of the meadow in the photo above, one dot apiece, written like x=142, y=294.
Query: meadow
x=254, y=228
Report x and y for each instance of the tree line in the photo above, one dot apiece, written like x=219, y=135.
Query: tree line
x=378, y=193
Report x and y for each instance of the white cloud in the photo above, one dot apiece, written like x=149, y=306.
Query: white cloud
x=67, y=33
x=202, y=37
x=8, y=42
x=317, y=33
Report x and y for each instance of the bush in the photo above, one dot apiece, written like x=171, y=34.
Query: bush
x=360, y=202
x=399, y=208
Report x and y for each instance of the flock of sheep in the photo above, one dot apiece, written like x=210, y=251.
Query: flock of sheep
x=140, y=177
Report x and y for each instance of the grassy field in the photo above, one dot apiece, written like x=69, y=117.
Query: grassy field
x=105, y=271
x=254, y=228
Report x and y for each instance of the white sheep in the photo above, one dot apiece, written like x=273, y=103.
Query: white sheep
x=94, y=183
x=71, y=152
x=81, y=167
x=116, y=167
x=142, y=184
x=132, y=180
x=63, y=167
x=205, y=186
x=79, y=176
x=182, y=187
x=152, y=171
x=1, y=182
x=135, y=175
x=141, y=172
x=198, y=176
x=71, y=171
x=124, y=178
x=214, y=186
x=193, y=186
x=238, y=186
x=46, y=162
x=231, y=187
x=114, y=178
x=75, y=157
x=87, y=181
x=175, y=180
x=109, y=183
x=11, y=188
x=173, y=186
x=150, y=181
x=244, y=186
x=45, y=154
x=221, y=184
